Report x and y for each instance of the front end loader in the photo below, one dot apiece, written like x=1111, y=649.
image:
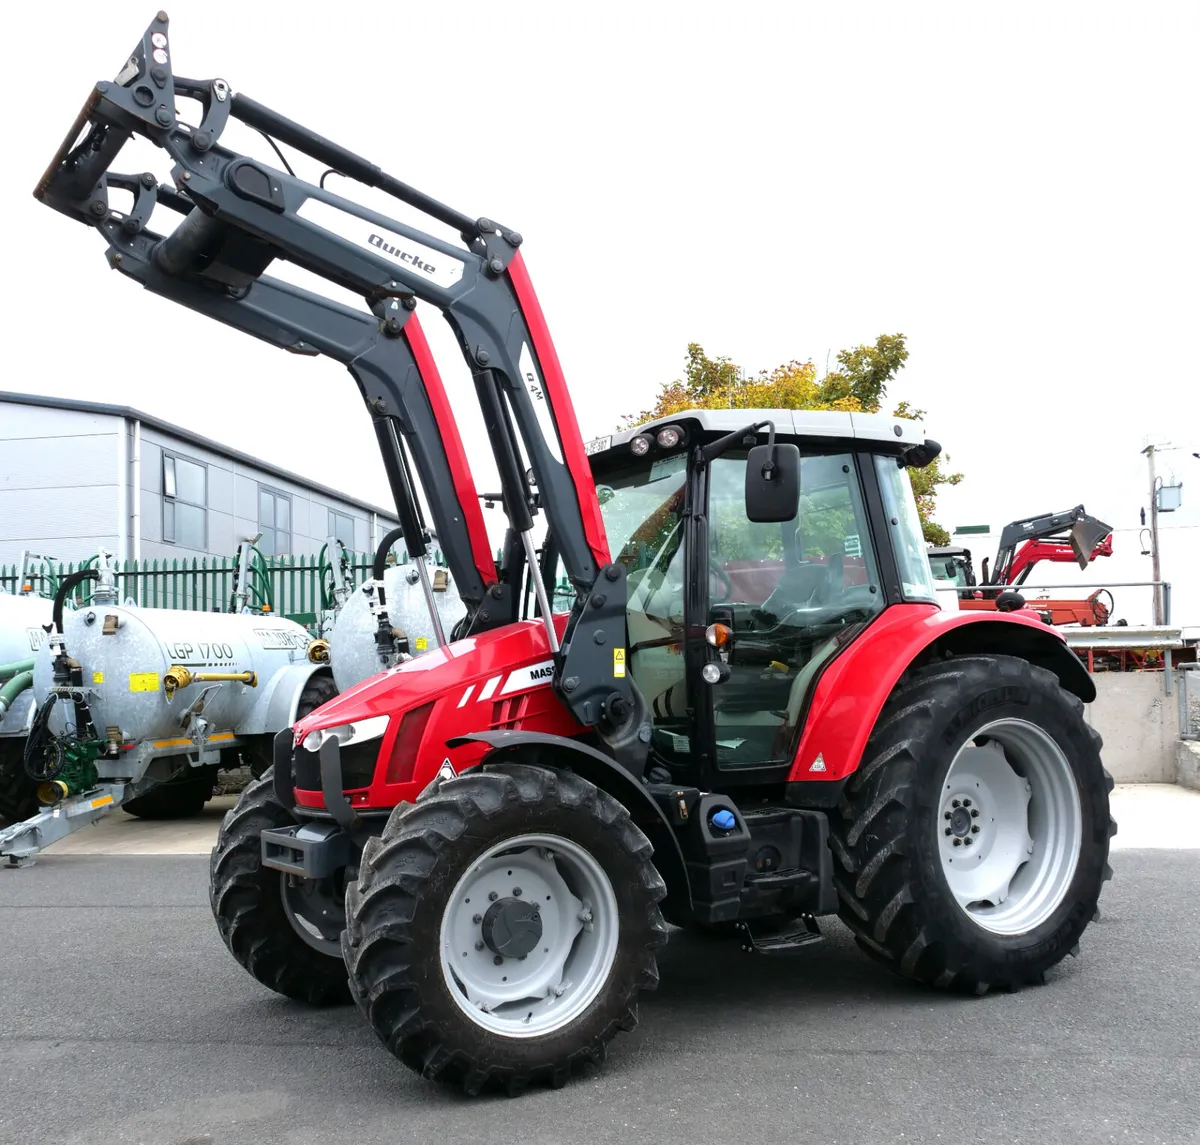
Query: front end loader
x=752, y=716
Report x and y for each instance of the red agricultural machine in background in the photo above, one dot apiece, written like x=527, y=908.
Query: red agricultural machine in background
x=482, y=846
x=1070, y=537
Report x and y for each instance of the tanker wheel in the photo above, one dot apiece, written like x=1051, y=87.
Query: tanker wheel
x=319, y=690
x=284, y=931
x=18, y=793
x=971, y=845
x=501, y=929
x=180, y=797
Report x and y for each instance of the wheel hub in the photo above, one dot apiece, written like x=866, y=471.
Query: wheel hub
x=529, y=935
x=512, y=927
x=1010, y=826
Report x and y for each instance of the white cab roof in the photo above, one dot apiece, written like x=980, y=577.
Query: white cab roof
x=799, y=422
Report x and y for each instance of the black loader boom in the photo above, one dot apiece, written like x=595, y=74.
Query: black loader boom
x=242, y=214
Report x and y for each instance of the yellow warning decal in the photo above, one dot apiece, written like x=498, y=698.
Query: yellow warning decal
x=618, y=663
x=97, y=677
x=102, y=801
x=143, y=681
x=422, y=643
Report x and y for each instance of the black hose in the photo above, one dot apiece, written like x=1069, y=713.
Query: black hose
x=72, y=581
x=381, y=553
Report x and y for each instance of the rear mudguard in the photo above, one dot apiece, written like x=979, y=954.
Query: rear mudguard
x=851, y=691
x=556, y=752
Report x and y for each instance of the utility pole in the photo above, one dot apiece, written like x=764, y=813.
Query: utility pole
x=1155, y=567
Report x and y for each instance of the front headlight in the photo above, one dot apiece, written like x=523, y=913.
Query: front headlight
x=358, y=732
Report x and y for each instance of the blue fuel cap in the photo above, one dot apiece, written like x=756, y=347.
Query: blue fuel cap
x=723, y=820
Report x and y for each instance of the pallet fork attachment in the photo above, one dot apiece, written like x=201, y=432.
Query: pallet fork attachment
x=242, y=214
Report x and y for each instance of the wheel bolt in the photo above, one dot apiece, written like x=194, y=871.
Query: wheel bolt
x=955, y=803
x=498, y=960
x=948, y=831
x=946, y=815
x=966, y=803
x=968, y=841
x=479, y=945
x=493, y=896
x=974, y=828
x=477, y=919
x=958, y=842
x=516, y=892
x=974, y=812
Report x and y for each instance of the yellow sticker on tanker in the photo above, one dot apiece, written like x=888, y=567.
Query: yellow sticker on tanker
x=143, y=681
x=97, y=677
x=422, y=643
x=618, y=663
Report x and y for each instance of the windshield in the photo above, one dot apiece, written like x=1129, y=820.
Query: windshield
x=908, y=539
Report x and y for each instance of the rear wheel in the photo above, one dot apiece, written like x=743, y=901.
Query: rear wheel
x=501, y=929
x=972, y=843
x=284, y=931
x=180, y=797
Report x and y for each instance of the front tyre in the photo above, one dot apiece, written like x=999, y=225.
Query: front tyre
x=972, y=842
x=502, y=927
x=283, y=930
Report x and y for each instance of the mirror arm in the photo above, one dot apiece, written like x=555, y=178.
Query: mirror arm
x=714, y=449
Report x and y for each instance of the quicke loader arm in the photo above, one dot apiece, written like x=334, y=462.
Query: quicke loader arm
x=1083, y=534
x=243, y=214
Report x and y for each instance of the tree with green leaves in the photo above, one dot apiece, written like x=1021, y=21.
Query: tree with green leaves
x=858, y=384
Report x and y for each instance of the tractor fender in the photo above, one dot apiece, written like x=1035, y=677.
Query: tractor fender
x=854, y=686
x=559, y=753
x=275, y=708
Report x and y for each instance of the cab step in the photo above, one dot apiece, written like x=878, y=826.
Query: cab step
x=768, y=936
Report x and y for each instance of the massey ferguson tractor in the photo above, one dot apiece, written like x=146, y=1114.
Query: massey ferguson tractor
x=753, y=715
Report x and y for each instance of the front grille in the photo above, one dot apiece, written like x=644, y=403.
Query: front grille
x=358, y=766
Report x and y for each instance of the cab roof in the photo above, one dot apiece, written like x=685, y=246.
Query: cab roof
x=788, y=423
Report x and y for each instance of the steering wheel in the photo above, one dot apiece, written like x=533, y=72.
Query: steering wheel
x=723, y=577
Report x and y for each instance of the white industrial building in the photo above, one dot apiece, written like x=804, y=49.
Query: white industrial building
x=77, y=476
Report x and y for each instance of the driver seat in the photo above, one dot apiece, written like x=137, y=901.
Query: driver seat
x=798, y=584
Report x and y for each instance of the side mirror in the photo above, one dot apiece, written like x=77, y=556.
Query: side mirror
x=951, y=571
x=772, y=483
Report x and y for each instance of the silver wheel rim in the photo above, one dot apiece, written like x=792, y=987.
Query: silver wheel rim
x=567, y=966
x=1009, y=827
x=315, y=910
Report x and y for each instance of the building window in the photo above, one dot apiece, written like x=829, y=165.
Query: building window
x=341, y=526
x=274, y=522
x=184, y=499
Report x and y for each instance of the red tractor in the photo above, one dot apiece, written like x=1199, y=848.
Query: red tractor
x=753, y=715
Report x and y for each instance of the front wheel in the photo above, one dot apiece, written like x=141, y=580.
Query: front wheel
x=282, y=929
x=972, y=842
x=501, y=929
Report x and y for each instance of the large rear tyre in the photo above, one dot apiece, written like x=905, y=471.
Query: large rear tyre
x=180, y=797
x=971, y=845
x=501, y=929
x=284, y=931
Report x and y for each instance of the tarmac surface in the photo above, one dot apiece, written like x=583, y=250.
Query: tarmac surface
x=126, y=1020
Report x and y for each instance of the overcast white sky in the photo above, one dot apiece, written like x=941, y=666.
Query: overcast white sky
x=1013, y=187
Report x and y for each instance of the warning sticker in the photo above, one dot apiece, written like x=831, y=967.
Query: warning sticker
x=103, y=801
x=97, y=677
x=421, y=643
x=618, y=663
x=143, y=681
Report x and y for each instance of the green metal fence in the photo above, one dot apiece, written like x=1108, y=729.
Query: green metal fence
x=296, y=586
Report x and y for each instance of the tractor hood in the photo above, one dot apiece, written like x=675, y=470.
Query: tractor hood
x=498, y=663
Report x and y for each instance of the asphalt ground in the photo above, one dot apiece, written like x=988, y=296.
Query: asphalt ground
x=124, y=1019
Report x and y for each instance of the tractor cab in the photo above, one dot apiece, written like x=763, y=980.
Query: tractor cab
x=730, y=619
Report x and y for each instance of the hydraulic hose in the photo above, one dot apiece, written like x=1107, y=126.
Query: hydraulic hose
x=76, y=578
x=13, y=689
x=7, y=671
x=385, y=546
